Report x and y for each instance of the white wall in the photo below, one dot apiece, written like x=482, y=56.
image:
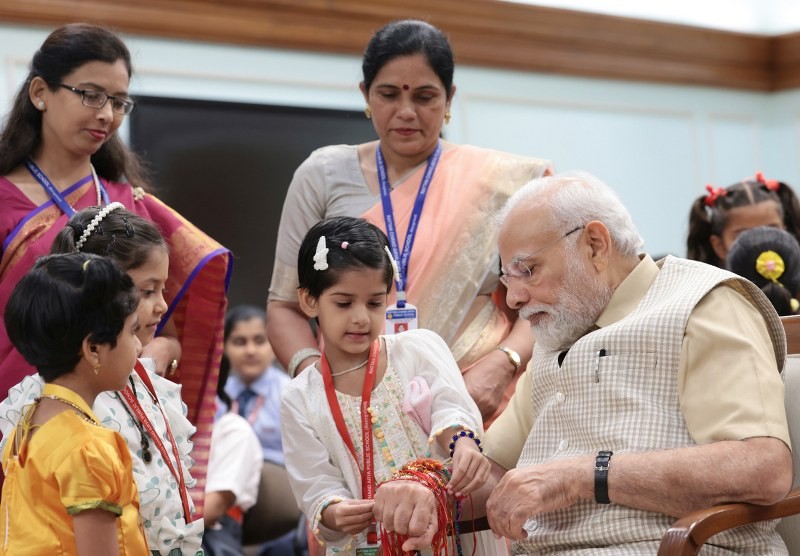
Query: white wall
x=657, y=145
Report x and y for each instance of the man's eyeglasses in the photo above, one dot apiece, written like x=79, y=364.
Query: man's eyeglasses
x=98, y=99
x=518, y=270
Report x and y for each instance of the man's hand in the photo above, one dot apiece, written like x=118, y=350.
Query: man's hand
x=528, y=491
x=350, y=516
x=470, y=468
x=407, y=508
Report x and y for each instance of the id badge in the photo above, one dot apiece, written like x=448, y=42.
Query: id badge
x=400, y=320
x=371, y=547
x=368, y=549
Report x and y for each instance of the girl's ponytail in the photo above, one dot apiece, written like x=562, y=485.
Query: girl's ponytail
x=698, y=242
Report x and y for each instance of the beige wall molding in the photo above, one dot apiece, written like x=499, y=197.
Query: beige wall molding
x=483, y=33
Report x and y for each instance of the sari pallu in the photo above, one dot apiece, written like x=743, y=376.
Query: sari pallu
x=455, y=256
x=199, y=270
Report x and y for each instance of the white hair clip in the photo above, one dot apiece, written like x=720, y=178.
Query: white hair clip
x=321, y=256
x=395, y=268
x=96, y=222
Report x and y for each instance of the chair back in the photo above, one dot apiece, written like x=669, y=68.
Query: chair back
x=789, y=527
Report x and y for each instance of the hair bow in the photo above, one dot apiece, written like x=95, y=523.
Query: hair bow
x=772, y=185
x=770, y=265
x=713, y=194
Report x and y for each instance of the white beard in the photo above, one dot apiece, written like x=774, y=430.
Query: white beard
x=582, y=299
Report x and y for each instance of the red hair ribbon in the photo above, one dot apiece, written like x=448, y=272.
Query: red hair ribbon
x=772, y=185
x=714, y=193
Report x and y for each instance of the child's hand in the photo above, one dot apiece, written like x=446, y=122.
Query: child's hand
x=470, y=468
x=349, y=516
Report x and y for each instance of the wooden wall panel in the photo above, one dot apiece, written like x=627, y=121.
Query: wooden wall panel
x=483, y=32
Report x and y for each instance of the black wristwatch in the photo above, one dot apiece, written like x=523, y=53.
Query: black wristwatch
x=601, y=477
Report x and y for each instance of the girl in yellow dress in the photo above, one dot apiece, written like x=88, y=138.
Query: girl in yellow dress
x=69, y=487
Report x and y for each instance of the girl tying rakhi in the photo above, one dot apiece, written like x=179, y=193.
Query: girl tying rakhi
x=375, y=407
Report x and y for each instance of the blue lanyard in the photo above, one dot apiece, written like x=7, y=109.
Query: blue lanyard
x=54, y=193
x=388, y=216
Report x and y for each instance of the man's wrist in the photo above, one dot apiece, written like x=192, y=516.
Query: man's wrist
x=601, y=465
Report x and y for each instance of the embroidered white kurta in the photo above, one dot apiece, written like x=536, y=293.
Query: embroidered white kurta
x=320, y=467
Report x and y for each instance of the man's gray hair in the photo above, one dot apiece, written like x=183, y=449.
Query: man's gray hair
x=575, y=199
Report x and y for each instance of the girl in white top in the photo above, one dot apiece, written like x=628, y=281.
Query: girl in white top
x=418, y=401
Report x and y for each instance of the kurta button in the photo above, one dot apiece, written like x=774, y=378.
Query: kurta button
x=560, y=397
x=563, y=445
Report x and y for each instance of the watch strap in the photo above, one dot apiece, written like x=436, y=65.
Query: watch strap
x=513, y=356
x=601, y=477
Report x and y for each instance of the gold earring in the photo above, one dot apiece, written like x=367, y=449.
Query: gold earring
x=447, y=117
x=97, y=369
x=368, y=113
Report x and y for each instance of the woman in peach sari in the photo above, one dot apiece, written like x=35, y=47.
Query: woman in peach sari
x=452, y=271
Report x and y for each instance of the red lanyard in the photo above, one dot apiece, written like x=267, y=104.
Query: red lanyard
x=368, y=473
x=136, y=407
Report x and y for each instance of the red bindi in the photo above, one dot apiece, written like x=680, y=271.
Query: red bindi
x=406, y=87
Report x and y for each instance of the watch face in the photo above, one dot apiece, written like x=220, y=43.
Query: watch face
x=515, y=357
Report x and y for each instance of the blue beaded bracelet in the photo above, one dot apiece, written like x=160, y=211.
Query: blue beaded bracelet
x=464, y=434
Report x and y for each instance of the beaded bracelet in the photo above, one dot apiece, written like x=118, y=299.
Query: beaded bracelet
x=464, y=434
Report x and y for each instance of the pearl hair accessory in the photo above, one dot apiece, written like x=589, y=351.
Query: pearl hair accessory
x=321, y=255
x=96, y=222
x=395, y=268
x=345, y=244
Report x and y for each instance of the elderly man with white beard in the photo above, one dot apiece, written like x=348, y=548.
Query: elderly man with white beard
x=654, y=390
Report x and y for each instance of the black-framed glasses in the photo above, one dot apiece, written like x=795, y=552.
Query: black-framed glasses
x=518, y=270
x=98, y=99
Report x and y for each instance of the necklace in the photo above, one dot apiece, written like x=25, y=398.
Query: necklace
x=85, y=416
x=350, y=370
x=147, y=456
x=96, y=185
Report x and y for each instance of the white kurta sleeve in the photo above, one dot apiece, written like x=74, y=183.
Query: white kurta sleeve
x=234, y=462
x=313, y=465
x=422, y=353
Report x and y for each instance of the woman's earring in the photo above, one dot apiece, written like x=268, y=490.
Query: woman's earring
x=368, y=113
x=447, y=117
x=40, y=105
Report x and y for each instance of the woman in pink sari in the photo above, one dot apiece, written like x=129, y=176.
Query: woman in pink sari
x=60, y=153
x=448, y=262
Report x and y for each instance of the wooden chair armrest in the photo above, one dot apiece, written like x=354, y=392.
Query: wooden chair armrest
x=690, y=532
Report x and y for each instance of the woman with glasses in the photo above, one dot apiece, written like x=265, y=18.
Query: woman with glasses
x=410, y=176
x=60, y=153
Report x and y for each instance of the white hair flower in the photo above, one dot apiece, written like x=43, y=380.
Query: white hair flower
x=321, y=256
x=395, y=268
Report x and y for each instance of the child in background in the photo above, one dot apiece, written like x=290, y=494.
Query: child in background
x=234, y=470
x=255, y=382
x=719, y=216
x=770, y=258
x=158, y=437
x=418, y=404
x=69, y=486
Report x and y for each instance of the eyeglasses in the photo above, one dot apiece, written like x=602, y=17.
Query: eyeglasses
x=98, y=99
x=518, y=270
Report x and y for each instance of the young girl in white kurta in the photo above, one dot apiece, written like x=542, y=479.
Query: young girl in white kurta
x=418, y=401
